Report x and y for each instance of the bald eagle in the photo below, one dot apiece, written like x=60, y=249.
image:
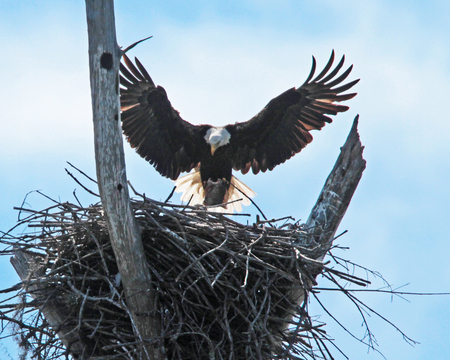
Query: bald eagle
x=172, y=145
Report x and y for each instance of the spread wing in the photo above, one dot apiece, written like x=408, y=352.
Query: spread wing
x=282, y=128
x=153, y=127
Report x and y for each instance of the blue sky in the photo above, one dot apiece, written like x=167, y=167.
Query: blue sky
x=221, y=62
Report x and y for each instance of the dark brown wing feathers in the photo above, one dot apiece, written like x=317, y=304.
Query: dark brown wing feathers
x=277, y=133
x=282, y=128
x=153, y=127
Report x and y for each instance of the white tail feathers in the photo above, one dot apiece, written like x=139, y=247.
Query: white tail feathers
x=191, y=187
x=235, y=192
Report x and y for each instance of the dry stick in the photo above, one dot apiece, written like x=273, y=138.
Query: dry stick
x=196, y=261
x=134, y=44
x=359, y=303
x=82, y=172
x=264, y=216
x=170, y=195
x=344, y=328
x=79, y=183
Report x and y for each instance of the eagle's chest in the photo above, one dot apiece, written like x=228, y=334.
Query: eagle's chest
x=217, y=166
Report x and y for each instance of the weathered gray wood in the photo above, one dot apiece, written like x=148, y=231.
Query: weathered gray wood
x=337, y=192
x=29, y=271
x=333, y=202
x=104, y=57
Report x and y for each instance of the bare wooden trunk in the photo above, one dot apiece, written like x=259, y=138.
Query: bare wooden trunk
x=104, y=58
x=337, y=192
x=333, y=202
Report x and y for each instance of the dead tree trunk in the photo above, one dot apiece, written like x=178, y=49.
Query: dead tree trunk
x=337, y=192
x=104, y=58
x=28, y=268
x=332, y=204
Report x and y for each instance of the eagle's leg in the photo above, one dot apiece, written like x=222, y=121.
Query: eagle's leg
x=215, y=191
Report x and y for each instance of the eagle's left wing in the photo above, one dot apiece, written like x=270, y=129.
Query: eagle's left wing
x=282, y=128
x=154, y=128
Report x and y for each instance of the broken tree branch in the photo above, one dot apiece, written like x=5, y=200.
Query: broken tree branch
x=337, y=192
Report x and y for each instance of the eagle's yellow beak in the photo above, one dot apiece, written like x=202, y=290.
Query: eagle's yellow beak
x=214, y=148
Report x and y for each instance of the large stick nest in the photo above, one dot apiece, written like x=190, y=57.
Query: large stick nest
x=224, y=290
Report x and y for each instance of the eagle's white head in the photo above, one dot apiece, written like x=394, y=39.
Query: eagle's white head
x=216, y=137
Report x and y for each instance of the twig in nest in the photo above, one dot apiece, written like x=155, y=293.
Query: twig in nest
x=251, y=200
x=82, y=173
x=170, y=195
x=79, y=183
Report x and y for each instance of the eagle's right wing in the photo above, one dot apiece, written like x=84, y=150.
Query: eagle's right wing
x=153, y=127
x=282, y=128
